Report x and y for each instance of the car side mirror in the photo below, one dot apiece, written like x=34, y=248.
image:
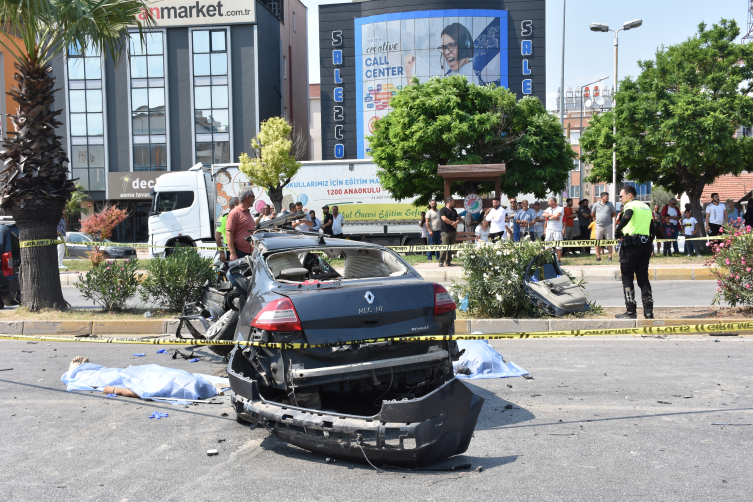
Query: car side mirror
x=153, y=213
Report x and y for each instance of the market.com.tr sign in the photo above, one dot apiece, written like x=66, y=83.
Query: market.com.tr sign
x=196, y=13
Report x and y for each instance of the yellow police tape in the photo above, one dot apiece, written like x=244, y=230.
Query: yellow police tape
x=648, y=330
x=558, y=244
x=51, y=242
x=397, y=249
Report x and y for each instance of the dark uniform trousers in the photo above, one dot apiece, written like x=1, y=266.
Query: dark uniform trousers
x=634, y=261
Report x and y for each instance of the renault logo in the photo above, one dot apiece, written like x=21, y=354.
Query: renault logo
x=369, y=297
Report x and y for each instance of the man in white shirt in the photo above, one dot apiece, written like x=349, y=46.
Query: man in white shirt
x=433, y=229
x=305, y=224
x=496, y=217
x=553, y=224
x=691, y=227
x=716, y=215
x=267, y=214
x=337, y=223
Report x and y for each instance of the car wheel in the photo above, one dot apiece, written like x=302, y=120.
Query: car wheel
x=223, y=329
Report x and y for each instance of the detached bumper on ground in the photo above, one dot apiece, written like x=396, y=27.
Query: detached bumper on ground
x=405, y=433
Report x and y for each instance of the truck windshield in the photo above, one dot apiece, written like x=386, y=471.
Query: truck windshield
x=172, y=201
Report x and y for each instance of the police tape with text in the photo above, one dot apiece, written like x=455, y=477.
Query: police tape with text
x=398, y=249
x=648, y=330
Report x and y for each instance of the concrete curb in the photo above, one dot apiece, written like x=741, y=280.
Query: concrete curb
x=101, y=328
x=488, y=326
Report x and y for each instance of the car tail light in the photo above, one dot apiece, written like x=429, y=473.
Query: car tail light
x=279, y=315
x=442, y=300
x=8, y=263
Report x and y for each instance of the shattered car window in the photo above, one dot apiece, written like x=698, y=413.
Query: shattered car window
x=300, y=265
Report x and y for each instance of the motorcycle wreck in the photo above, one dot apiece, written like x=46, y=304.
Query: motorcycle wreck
x=327, y=374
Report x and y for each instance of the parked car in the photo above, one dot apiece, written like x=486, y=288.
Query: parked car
x=78, y=244
x=10, y=259
x=386, y=401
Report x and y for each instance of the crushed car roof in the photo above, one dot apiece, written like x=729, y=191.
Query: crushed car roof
x=285, y=240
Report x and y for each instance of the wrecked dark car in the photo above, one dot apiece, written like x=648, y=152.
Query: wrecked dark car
x=386, y=402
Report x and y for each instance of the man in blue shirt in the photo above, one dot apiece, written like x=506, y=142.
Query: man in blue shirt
x=524, y=217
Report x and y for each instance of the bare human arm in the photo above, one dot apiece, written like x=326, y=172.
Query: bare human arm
x=218, y=241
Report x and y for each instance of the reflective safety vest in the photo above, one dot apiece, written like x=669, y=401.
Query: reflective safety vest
x=640, y=222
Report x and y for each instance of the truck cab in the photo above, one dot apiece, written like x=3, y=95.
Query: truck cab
x=180, y=213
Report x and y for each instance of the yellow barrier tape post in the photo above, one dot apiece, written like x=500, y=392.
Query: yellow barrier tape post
x=648, y=330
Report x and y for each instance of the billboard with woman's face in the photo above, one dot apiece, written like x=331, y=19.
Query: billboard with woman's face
x=391, y=49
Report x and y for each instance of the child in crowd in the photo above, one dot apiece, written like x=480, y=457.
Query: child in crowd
x=691, y=227
x=482, y=231
x=668, y=231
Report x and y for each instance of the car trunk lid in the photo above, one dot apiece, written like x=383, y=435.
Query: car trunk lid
x=363, y=310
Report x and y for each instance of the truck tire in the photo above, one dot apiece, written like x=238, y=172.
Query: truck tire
x=223, y=329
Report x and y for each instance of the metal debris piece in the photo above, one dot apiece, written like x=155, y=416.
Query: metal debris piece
x=211, y=453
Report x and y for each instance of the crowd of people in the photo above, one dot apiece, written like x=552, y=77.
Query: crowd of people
x=239, y=222
x=548, y=221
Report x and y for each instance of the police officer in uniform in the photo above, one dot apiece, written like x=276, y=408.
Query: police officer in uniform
x=637, y=234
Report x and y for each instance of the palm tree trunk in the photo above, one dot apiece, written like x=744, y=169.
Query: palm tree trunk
x=34, y=184
x=40, y=277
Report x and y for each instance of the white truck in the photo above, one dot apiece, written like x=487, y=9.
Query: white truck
x=187, y=204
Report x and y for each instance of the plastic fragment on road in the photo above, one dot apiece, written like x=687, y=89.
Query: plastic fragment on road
x=194, y=360
x=146, y=381
x=211, y=453
x=158, y=415
x=483, y=362
x=139, y=355
x=112, y=395
x=162, y=351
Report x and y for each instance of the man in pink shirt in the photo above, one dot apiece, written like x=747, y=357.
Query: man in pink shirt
x=240, y=224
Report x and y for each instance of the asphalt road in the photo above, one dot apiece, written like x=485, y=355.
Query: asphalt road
x=666, y=293
x=603, y=419
x=606, y=294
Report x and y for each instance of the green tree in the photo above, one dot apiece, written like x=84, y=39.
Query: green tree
x=34, y=184
x=273, y=164
x=676, y=122
x=73, y=206
x=450, y=121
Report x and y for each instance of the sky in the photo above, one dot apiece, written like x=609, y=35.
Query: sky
x=589, y=55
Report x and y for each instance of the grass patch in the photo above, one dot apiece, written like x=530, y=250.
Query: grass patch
x=79, y=314
x=77, y=265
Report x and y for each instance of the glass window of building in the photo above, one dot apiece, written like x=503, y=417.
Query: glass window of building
x=211, y=93
x=86, y=114
x=148, y=118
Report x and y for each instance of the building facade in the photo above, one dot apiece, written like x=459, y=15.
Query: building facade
x=194, y=89
x=370, y=50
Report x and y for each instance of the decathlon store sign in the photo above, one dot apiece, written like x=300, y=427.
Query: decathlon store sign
x=200, y=13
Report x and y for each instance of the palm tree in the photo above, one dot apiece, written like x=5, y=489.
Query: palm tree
x=73, y=206
x=34, y=183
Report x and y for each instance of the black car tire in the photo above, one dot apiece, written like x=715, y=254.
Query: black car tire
x=223, y=329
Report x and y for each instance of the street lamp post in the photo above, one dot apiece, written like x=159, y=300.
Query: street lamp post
x=601, y=27
x=580, y=131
